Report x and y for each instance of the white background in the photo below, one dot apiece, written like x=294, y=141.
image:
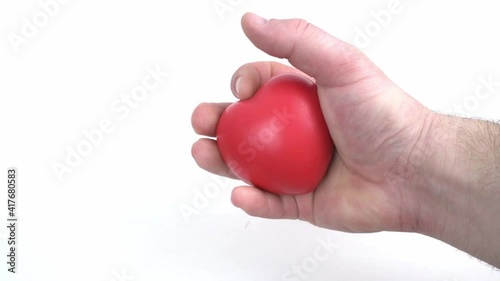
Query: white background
x=117, y=214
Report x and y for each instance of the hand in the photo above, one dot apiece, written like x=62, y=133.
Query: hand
x=374, y=124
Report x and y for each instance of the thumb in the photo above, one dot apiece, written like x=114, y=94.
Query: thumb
x=332, y=62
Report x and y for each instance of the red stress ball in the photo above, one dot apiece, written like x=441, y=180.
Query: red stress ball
x=278, y=139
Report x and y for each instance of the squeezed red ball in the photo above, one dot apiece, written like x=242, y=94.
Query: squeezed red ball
x=278, y=139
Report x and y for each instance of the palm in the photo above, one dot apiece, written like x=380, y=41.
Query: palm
x=373, y=141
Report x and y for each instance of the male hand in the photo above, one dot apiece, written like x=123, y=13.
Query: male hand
x=376, y=127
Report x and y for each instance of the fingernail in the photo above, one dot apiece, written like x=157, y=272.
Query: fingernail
x=238, y=85
x=258, y=19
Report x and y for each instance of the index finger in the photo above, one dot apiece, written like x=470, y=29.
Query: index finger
x=249, y=77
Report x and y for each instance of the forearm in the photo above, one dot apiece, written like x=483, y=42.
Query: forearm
x=460, y=184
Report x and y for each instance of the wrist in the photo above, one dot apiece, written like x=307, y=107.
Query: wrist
x=457, y=184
